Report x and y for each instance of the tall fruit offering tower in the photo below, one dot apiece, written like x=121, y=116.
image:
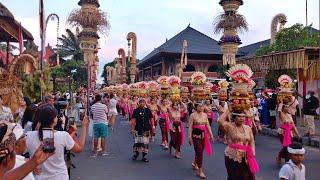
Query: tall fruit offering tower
x=229, y=23
x=91, y=20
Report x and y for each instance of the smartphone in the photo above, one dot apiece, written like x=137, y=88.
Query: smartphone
x=71, y=122
x=82, y=113
x=48, y=140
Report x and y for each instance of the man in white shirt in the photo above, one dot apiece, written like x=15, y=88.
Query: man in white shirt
x=294, y=169
x=100, y=124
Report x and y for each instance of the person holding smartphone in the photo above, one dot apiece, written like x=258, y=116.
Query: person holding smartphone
x=53, y=141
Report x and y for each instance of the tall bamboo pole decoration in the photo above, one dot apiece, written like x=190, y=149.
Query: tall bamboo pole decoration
x=132, y=44
x=92, y=21
x=184, y=58
x=52, y=17
x=277, y=24
x=123, y=65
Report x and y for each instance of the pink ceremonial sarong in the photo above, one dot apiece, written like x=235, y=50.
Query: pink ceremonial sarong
x=166, y=117
x=207, y=143
x=251, y=159
x=287, y=140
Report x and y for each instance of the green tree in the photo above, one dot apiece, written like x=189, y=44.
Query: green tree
x=222, y=71
x=291, y=38
x=271, y=79
x=104, y=72
x=33, y=83
x=69, y=46
x=79, y=77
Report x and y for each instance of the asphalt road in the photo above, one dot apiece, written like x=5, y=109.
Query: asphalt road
x=118, y=166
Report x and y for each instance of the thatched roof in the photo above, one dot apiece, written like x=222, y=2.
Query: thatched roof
x=9, y=30
x=5, y=13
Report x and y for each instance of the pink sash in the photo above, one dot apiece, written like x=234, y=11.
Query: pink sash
x=287, y=127
x=166, y=117
x=248, y=122
x=251, y=159
x=207, y=143
x=125, y=108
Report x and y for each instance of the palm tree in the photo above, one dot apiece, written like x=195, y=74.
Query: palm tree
x=69, y=46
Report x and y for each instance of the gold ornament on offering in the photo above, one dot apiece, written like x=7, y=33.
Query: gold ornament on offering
x=164, y=85
x=239, y=96
x=223, y=92
x=134, y=89
x=143, y=89
x=198, y=80
x=184, y=91
x=285, y=93
x=208, y=88
x=174, y=82
x=153, y=89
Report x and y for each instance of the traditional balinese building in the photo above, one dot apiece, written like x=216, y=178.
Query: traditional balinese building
x=50, y=57
x=203, y=54
x=13, y=69
x=302, y=59
x=9, y=31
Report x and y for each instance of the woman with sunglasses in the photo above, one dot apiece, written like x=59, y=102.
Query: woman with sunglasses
x=240, y=151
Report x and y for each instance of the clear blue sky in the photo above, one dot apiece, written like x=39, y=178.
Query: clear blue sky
x=155, y=20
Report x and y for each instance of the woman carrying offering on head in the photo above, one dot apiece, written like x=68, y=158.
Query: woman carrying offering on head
x=200, y=136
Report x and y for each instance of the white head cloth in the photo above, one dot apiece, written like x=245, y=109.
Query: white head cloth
x=296, y=151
